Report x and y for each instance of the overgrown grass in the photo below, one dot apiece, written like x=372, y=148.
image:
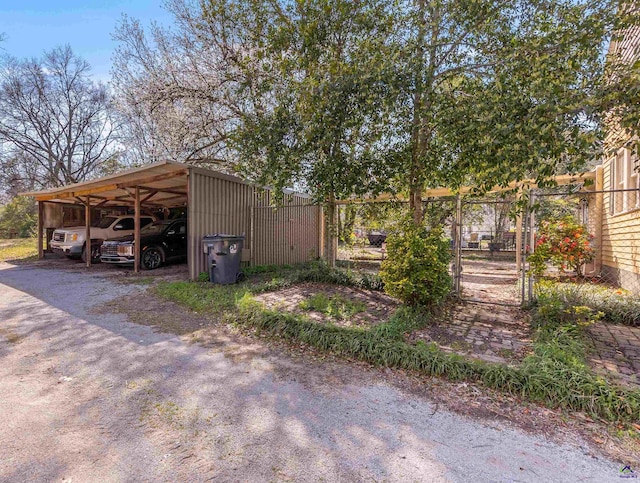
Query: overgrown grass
x=617, y=306
x=18, y=249
x=556, y=374
x=319, y=272
x=202, y=297
x=334, y=306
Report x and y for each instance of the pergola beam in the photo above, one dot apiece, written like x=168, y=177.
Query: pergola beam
x=441, y=192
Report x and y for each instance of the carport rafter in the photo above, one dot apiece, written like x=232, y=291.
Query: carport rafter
x=172, y=191
x=114, y=187
x=149, y=196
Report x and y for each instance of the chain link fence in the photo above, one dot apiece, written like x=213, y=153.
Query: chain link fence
x=495, y=240
x=611, y=222
x=363, y=228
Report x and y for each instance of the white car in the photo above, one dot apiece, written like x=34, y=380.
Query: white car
x=71, y=241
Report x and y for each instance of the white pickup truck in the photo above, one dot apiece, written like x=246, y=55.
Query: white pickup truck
x=71, y=241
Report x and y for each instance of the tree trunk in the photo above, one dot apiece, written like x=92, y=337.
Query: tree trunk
x=418, y=148
x=415, y=204
x=330, y=232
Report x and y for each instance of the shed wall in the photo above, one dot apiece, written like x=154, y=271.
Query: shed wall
x=286, y=235
x=224, y=204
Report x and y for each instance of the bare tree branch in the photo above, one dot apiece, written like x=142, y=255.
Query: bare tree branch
x=56, y=124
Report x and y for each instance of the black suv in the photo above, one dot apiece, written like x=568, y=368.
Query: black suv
x=159, y=242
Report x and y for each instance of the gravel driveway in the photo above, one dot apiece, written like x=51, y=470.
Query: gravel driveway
x=89, y=396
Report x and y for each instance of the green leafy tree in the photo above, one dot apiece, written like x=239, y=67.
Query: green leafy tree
x=619, y=94
x=18, y=218
x=346, y=224
x=492, y=92
x=319, y=120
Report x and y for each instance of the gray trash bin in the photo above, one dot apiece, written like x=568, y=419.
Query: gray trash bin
x=224, y=254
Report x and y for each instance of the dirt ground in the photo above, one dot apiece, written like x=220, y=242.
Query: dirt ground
x=170, y=271
x=466, y=399
x=113, y=384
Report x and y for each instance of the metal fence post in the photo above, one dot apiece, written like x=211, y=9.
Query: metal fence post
x=457, y=245
x=531, y=241
x=522, y=255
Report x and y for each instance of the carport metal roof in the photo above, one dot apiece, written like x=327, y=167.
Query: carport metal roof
x=160, y=184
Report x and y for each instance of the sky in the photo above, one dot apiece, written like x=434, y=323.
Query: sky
x=32, y=26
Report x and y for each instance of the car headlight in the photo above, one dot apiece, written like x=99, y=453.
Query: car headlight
x=126, y=250
x=73, y=237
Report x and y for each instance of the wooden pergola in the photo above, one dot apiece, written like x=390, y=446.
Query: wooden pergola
x=443, y=192
x=590, y=177
x=158, y=185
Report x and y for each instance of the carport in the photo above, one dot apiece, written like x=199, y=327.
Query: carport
x=215, y=203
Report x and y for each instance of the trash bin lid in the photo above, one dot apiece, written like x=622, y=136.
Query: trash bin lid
x=222, y=236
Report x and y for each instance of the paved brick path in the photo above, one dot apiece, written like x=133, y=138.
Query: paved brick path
x=494, y=331
x=616, y=351
x=487, y=332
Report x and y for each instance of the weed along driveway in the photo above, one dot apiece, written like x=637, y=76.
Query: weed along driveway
x=86, y=394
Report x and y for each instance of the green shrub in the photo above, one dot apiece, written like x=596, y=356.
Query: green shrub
x=416, y=270
x=19, y=218
x=203, y=277
x=320, y=272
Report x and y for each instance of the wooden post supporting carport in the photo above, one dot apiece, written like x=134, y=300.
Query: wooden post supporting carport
x=136, y=232
x=40, y=229
x=87, y=234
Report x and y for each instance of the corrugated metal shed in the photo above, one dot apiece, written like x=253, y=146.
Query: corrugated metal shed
x=216, y=203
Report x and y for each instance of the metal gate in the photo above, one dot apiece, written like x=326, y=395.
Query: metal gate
x=491, y=240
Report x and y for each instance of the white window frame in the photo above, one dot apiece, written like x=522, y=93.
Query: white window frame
x=625, y=176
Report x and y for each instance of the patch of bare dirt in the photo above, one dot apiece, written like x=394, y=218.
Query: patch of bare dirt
x=165, y=316
x=125, y=274
x=378, y=306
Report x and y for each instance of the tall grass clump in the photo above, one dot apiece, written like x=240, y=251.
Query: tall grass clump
x=618, y=306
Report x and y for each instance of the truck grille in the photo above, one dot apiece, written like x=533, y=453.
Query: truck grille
x=59, y=237
x=110, y=249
